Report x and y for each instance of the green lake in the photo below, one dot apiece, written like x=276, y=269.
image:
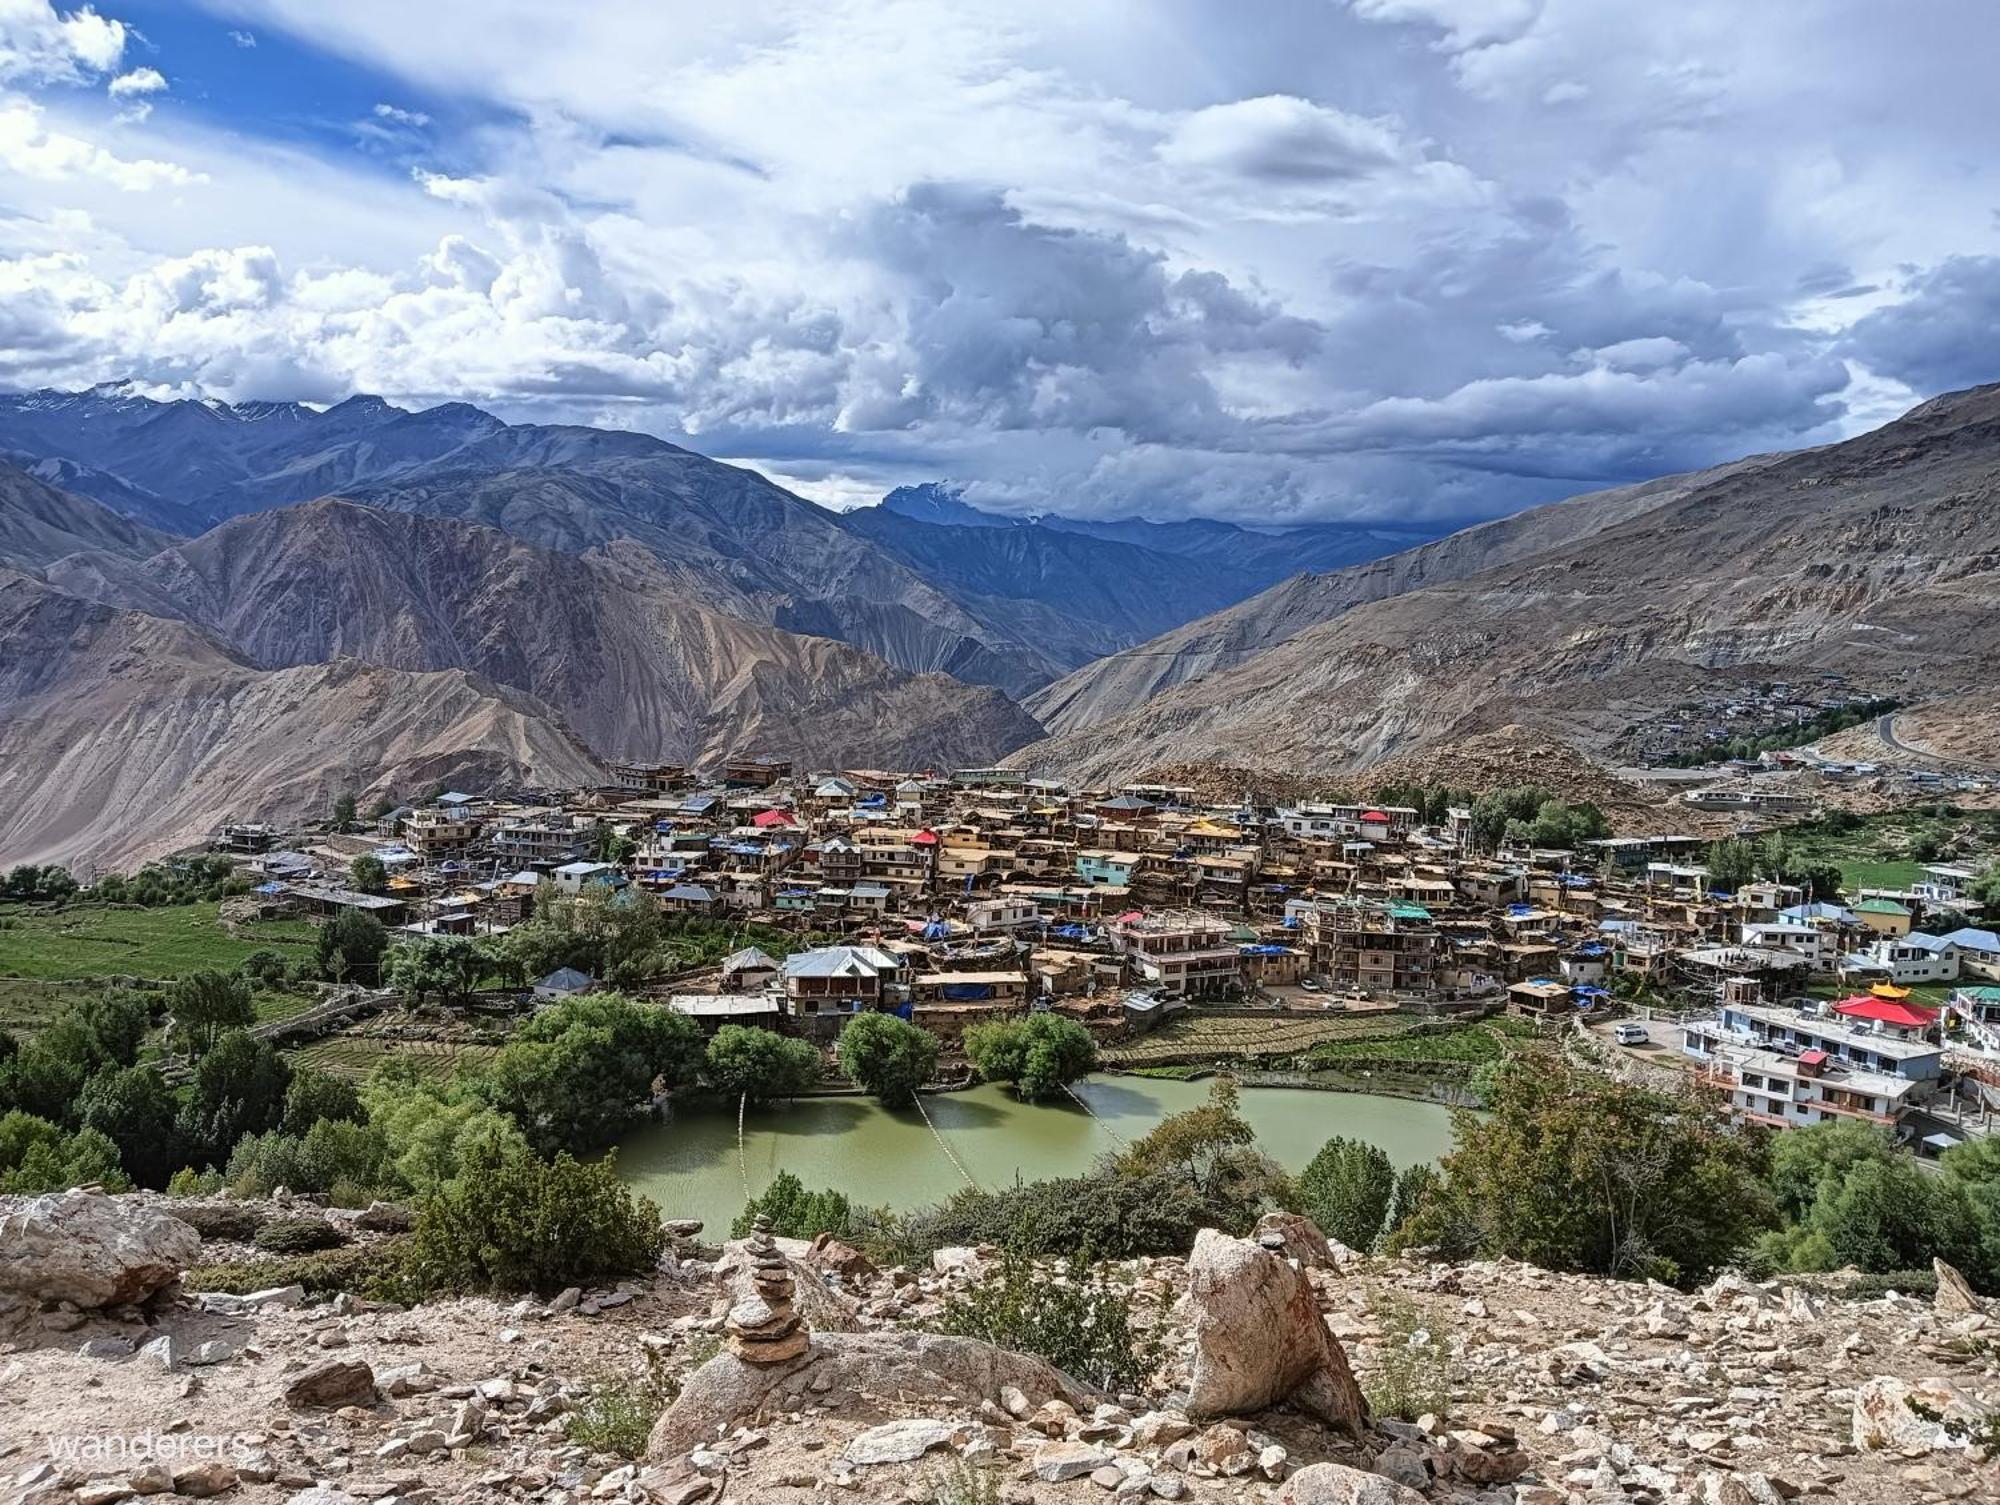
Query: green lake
x=882, y=1159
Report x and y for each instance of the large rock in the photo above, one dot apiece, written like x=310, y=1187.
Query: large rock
x=726, y=1392
x=1955, y=1297
x=1884, y=1420
x=337, y=1382
x=1332, y=1484
x=1295, y=1236
x=1259, y=1338
x=91, y=1249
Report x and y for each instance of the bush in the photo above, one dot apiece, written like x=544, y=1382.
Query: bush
x=581, y=1072
x=1075, y=1320
x=356, y=1269
x=514, y=1222
x=1413, y=1370
x=795, y=1212
x=1109, y=1214
x=298, y=1235
x=1346, y=1189
x=1572, y=1171
x=617, y=1415
x=234, y=1221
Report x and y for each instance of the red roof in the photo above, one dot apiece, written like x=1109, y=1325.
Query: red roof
x=770, y=818
x=924, y=839
x=1812, y=1058
x=1376, y=816
x=1888, y=1011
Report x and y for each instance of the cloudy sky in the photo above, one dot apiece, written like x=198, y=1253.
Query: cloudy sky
x=1382, y=259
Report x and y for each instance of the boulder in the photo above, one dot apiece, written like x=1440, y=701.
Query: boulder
x=90, y=1249
x=726, y=1392
x=1884, y=1421
x=337, y=1382
x=1295, y=1236
x=1333, y=1484
x=1954, y=1297
x=899, y=1441
x=1259, y=1338
x=385, y=1217
x=831, y=1254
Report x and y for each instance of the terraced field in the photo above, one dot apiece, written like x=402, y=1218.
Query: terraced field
x=1251, y=1037
x=350, y=1055
x=80, y=941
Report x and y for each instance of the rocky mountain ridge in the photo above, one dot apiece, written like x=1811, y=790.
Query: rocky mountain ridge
x=1873, y=557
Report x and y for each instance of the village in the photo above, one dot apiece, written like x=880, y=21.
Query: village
x=952, y=899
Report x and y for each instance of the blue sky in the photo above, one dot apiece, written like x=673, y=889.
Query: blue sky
x=1379, y=259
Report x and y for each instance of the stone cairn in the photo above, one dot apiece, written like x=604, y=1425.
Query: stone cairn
x=765, y=1328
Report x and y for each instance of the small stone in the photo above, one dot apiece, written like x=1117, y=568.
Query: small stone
x=336, y=1382
x=1055, y=1462
x=211, y=1476
x=898, y=1441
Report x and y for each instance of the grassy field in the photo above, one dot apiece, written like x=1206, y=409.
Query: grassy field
x=1882, y=851
x=84, y=941
x=27, y=1006
x=357, y=1055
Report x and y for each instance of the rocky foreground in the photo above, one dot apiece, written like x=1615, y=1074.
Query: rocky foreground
x=1553, y=1389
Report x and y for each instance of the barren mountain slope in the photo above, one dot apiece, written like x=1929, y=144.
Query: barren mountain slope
x=1227, y=639
x=1876, y=557
x=40, y=525
x=125, y=736
x=610, y=638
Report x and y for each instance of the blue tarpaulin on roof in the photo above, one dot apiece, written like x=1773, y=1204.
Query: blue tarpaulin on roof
x=1520, y=909
x=967, y=992
x=903, y=1010
x=1261, y=950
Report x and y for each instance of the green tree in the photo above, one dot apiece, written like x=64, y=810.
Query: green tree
x=1041, y=1054
x=1346, y=1189
x=1850, y=1197
x=134, y=1108
x=315, y=1095
x=1212, y=1151
x=888, y=1057
x=583, y=1071
x=1573, y=1171
x=616, y=935
x=1732, y=863
x=342, y=816
x=1414, y=1185
x=1986, y=887
x=514, y=1222
x=368, y=873
x=204, y=1004
x=37, y=1156
x=238, y=1088
x=447, y=968
x=433, y=1128
x=349, y=948
x=762, y=1063
x=795, y=1212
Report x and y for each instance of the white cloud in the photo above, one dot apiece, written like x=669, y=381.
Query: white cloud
x=30, y=148
x=38, y=43
x=1392, y=257
x=138, y=81
x=243, y=38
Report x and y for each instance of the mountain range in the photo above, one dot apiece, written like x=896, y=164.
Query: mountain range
x=216, y=610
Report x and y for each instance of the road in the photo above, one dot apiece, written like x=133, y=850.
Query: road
x=1885, y=728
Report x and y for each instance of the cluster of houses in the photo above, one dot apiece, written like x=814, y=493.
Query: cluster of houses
x=950, y=897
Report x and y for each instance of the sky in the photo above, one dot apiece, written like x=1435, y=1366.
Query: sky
x=1378, y=260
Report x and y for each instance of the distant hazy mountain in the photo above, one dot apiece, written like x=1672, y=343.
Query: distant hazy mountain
x=1874, y=557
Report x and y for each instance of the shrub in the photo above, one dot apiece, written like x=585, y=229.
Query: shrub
x=236, y=1221
x=1414, y=1368
x=1111, y=1214
x=298, y=1235
x=795, y=1212
x=581, y=1072
x=1346, y=1190
x=617, y=1415
x=188, y=1182
x=1075, y=1320
x=514, y=1222
x=357, y=1269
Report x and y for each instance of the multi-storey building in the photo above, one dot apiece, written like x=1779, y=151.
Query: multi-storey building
x=1866, y=1060
x=1186, y=951
x=1379, y=946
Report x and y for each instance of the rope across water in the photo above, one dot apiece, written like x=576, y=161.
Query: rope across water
x=956, y=1164
x=1094, y=1115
